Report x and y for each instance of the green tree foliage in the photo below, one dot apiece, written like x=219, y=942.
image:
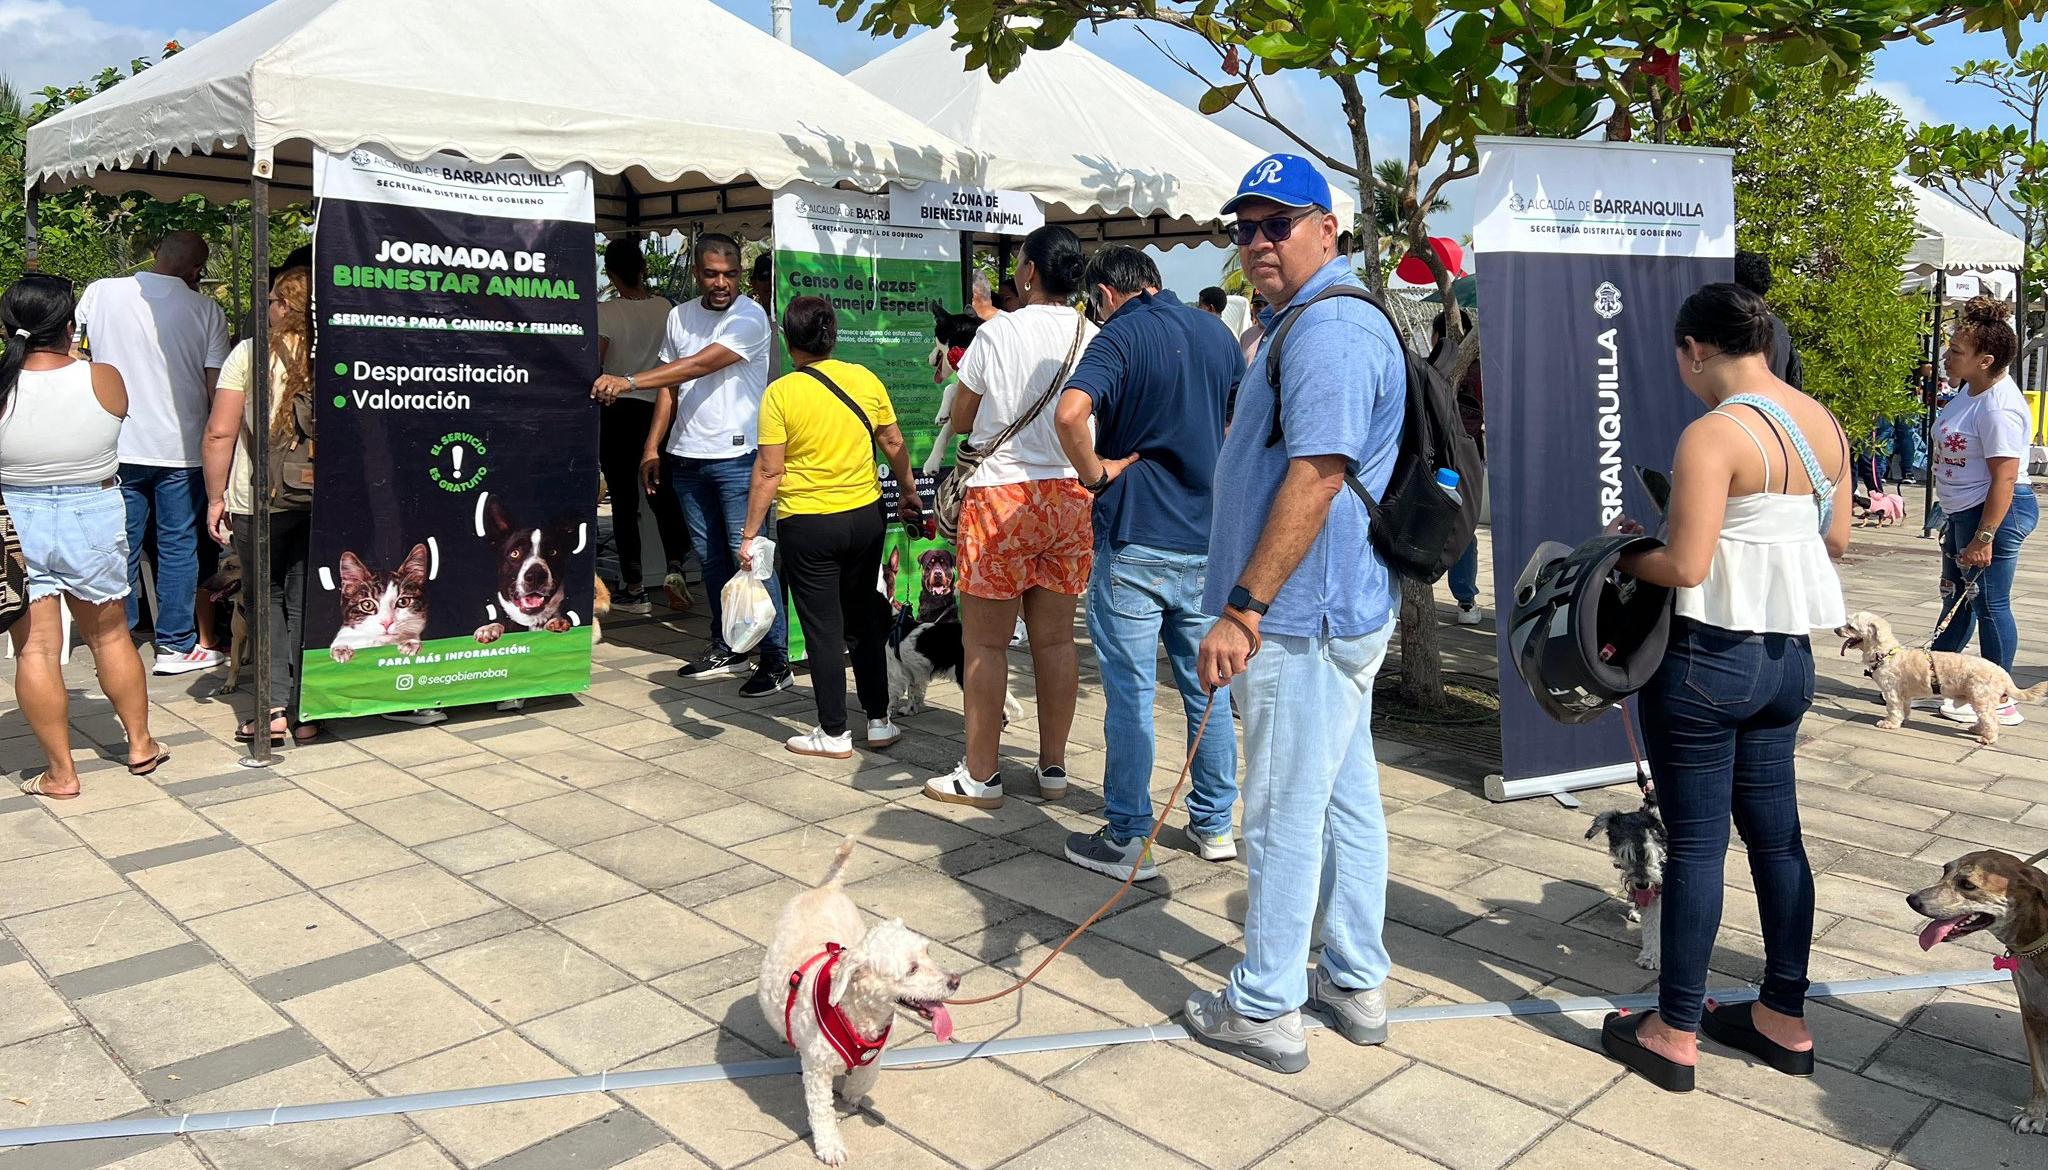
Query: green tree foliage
x=1814, y=192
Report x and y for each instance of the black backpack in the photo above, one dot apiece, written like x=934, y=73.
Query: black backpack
x=1417, y=528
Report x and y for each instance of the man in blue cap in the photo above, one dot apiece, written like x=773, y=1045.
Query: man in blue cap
x=1306, y=608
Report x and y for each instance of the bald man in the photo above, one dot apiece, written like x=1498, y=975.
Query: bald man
x=169, y=340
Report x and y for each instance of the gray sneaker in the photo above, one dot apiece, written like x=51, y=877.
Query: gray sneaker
x=1278, y=1043
x=1104, y=854
x=1360, y=1015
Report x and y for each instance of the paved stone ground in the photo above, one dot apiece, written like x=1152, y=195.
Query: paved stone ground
x=586, y=886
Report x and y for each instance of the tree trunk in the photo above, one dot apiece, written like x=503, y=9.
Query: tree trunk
x=1422, y=664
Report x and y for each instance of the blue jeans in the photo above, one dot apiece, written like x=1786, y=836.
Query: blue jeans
x=1991, y=611
x=1137, y=596
x=1910, y=444
x=1315, y=832
x=713, y=493
x=1465, y=575
x=1720, y=722
x=177, y=497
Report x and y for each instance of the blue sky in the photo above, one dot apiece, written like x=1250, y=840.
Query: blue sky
x=54, y=41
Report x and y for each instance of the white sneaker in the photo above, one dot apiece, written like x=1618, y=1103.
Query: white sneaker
x=957, y=787
x=1052, y=782
x=2008, y=715
x=424, y=717
x=882, y=733
x=1222, y=847
x=512, y=706
x=1933, y=703
x=1468, y=615
x=816, y=743
x=197, y=658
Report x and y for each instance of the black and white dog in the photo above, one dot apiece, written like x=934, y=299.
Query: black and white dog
x=533, y=580
x=1636, y=845
x=928, y=642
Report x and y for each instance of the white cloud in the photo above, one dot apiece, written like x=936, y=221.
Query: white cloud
x=1911, y=106
x=53, y=43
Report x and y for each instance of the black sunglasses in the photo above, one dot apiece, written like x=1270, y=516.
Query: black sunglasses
x=1276, y=229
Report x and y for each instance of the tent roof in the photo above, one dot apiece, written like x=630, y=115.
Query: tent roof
x=1093, y=143
x=1951, y=237
x=688, y=113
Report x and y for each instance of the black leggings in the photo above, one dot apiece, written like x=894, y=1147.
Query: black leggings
x=284, y=596
x=622, y=435
x=830, y=565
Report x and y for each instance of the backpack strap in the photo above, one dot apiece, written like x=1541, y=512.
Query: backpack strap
x=842, y=396
x=1287, y=320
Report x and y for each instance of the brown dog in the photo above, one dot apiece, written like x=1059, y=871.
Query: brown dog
x=1903, y=675
x=1994, y=891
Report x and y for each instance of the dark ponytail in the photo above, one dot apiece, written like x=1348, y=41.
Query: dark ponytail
x=35, y=313
x=1728, y=317
x=1056, y=253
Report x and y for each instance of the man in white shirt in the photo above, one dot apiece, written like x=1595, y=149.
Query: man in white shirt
x=169, y=341
x=704, y=436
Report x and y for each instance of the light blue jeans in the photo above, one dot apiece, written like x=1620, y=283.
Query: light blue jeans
x=1312, y=819
x=1137, y=597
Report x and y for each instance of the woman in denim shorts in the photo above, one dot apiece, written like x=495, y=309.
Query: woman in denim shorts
x=60, y=423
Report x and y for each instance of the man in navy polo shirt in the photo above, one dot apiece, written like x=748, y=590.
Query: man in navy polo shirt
x=1307, y=608
x=1155, y=382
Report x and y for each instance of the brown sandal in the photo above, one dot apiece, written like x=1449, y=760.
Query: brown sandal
x=35, y=788
x=150, y=765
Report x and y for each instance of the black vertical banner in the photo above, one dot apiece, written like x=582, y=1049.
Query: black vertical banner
x=455, y=500
x=1586, y=252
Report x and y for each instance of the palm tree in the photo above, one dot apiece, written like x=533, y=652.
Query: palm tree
x=1386, y=213
x=10, y=100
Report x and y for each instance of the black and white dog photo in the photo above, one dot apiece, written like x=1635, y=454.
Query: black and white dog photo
x=532, y=568
x=1636, y=846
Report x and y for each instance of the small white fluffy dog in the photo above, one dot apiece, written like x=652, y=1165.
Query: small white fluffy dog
x=873, y=973
x=1903, y=675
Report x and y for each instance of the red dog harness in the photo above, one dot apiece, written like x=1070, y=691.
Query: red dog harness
x=855, y=1049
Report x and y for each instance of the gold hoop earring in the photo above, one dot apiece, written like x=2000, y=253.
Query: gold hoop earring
x=1699, y=367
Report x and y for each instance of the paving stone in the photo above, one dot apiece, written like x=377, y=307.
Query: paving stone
x=275, y=817
x=136, y=828
x=442, y=939
x=1461, y=1124
x=54, y=879
x=1840, y=1104
x=420, y=1155
x=649, y=936
x=664, y=796
x=575, y=818
x=554, y=884
x=486, y=850
x=337, y=855
x=1945, y=797
x=1171, y=930
x=29, y=832
x=1514, y=888
x=498, y=785
x=383, y=1020
x=1558, y=859
x=407, y=901
x=285, y=932
x=1573, y=1147
x=1950, y=1072
x=1096, y=1142
x=1894, y=949
x=1971, y=1022
x=63, y=1078
x=179, y=1017
x=1704, y=1132
x=93, y=934
x=33, y=1009
x=1954, y=1139
x=930, y=903
x=2020, y=840
x=656, y=858
x=1900, y=874
x=360, y=782
x=478, y=1134
x=617, y=1135
x=175, y=1083
x=213, y=883
x=430, y=816
x=526, y=975
x=694, y=982
x=727, y=1122
x=1053, y=886
x=1864, y=834
x=1340, y=1143
x=1456, y=971
x=613, y=1030
x=1555, y=1078
x=1869, y=804
x=329, y=1145
x=1547, y=946
x=1217, y=1118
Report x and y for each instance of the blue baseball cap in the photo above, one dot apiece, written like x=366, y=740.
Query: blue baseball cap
x=1287, y=179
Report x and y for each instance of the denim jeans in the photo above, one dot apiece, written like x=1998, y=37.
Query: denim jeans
x=1315, y=832
x=1910, y=444
x=177, y=498
x=713, y=493
x=1465, y=575
x=1720, y=722
x=1136, y=597
x=1991, y=612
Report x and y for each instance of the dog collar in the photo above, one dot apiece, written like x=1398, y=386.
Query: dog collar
x=1871, y=670
x=856, y=1050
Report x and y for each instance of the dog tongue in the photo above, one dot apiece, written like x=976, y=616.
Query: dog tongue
x=1642, y=897
x=1935, y=932
x=942, y=1023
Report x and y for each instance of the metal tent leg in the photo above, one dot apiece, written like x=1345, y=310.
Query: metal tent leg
x=256, y=576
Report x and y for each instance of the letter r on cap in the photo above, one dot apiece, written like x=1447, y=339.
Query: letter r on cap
x=1267, y=172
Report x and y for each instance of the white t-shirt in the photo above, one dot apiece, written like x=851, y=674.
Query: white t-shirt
x=1971, y=429
x=163, y=337
x=1010, y=363
x=634, y=329
x=718, y=416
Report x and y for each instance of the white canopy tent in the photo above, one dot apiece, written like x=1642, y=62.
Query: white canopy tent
x=1951, y=240
x=687, y=113
x=1109, y=156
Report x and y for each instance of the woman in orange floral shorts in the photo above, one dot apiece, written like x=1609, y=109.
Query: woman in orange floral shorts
x=1026, y=538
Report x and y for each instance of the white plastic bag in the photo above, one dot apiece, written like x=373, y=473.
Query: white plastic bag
x=746, y=609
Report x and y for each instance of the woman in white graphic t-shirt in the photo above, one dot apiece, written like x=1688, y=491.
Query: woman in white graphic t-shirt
x=1980, y=470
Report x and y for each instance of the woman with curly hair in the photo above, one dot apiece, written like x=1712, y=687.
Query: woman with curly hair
x=286, y=442
x=1980, y=480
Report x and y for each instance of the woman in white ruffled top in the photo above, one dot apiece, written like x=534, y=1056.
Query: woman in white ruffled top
x=1755, y=526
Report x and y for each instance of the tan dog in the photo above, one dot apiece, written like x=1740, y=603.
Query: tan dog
x=1994, y=891
x=831, y=986
x=1903, y=675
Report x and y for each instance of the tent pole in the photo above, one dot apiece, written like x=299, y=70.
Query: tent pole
x=32, y=250
x=256, y=577
x=967, y=272
x=1928, y=409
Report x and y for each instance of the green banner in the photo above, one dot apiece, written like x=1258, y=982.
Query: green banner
x=449, y=672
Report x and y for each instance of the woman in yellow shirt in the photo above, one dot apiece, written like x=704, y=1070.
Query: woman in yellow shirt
x=819, y=428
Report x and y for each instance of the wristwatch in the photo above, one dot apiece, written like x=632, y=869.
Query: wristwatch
x=1241, y=598
x=632, y=383
x=1987, y=536
x=1101, y=484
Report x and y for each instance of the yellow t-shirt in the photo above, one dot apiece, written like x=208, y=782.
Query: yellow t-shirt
x=828, y=457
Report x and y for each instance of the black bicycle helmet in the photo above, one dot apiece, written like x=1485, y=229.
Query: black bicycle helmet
x=1585, y=635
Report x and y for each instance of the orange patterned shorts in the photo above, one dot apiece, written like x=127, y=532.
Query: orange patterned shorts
x=1020, y=536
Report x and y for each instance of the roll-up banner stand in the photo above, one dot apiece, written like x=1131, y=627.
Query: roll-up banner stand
x=882, y=278
x=455, y=510
x=1586, y=252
